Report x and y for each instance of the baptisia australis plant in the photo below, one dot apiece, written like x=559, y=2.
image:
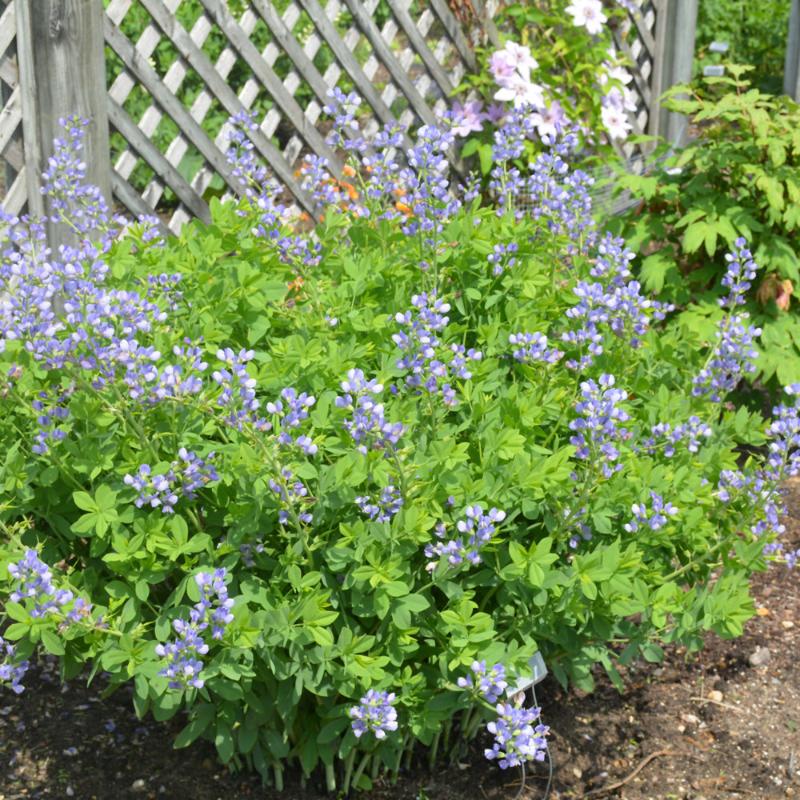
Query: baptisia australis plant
x=329, y=492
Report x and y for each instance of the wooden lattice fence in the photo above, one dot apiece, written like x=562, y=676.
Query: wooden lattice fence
x=180, y=68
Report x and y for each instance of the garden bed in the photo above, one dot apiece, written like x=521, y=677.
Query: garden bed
x=714, y=726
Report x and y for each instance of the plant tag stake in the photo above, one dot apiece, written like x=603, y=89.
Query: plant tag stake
x=524, y=682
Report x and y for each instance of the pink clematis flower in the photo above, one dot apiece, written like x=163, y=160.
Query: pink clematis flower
x=468, y=118
x=588, y=14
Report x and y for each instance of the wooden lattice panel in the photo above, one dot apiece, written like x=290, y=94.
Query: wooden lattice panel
x=183, y=67
x=12, y=166
x=179, y=69
x=636, y=40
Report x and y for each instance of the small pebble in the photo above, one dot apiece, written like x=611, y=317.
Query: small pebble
x=715, y=696
x=138, y=785
x=759, y=657
x=787, y=624
x=690, y=719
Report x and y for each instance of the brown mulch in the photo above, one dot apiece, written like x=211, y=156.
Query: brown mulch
x=709, y=726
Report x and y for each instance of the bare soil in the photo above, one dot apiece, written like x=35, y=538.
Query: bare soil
x=721, y=724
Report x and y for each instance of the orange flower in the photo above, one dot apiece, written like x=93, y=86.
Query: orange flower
x=784, y=296
x=348, y=170
x=404, y=209
x=351, y=190
x=773, y=288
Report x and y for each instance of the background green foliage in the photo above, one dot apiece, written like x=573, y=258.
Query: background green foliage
x=756, y=31
x=739, y=176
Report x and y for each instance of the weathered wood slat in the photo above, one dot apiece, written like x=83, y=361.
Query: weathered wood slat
x=14, y=153
x=454, y=31
x=8, y=27
x=300, y=60
x=268, y=78
x=9, y=72
x=146, y=44
x=642, y=86
x=644, y=34
x=152, y=155
x=117, y=9
x=399, y=76
x=247, y=95
x=128, y=196
x=485, y=14
x=226, y=96
x=10, y=118
x=791, y=70
x=190, y=127
x=124, y=84
x=62, y=72
x=202, y=104
x=420, y=45
x=346, y=58
x=17, y=194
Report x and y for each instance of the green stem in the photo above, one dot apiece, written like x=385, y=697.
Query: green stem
x=278, y=777
x=475, y=723
x=409, y=754
x=348, y=770
x=434, y=750
x=696, y=563
x=447, y=727
x=466, y=720
x=330, y=777
x=400, y=474
x=396, y=769
x=360, y=769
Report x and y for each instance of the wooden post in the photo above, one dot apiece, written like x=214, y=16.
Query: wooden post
x=62, y=72
x=676, y=25
x=791, y=72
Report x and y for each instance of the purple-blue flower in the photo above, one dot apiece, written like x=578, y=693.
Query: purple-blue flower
x=516, y=740
x=489, y=682
x=427, y=362
x=291, y=410
x=33, y=580
x=163, y=490
x=476, y=529
x=655, y=518
x=597, y=429
x=367, y=424
x=376, y=713
x=291, y=493
x=533, y=347
x=12, y=670
x=383, y=507
x=184, y=654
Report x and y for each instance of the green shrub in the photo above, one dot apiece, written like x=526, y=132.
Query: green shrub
x=257, y=473
x=738, y=177
x=755, y=32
